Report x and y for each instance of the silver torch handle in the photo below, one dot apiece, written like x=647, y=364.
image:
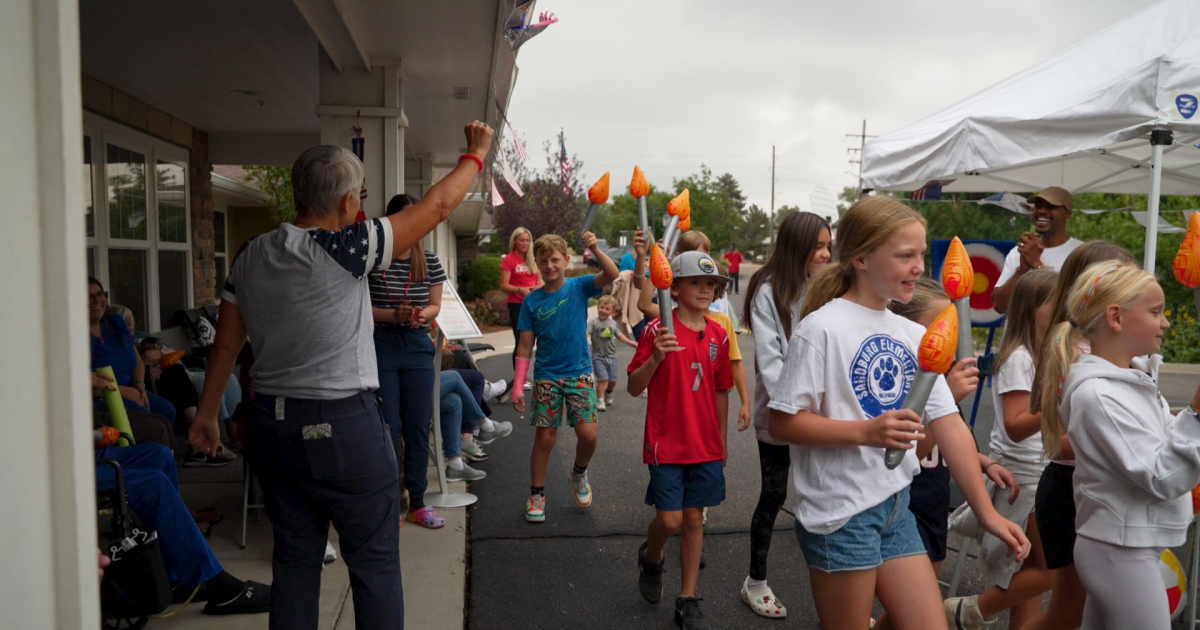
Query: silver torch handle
x=918, y=397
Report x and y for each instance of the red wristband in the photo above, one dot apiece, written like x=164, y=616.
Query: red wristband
x=468, y=156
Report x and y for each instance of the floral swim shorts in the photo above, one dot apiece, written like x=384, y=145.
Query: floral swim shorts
x=573, y=398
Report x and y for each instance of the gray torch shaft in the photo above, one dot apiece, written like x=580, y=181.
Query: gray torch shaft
x=664, y=310
x=966, y=343
x=588, y=219
x=644, y=217
x=918, y=397
x=669, y=233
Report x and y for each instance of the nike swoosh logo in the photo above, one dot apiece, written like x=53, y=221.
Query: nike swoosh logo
x=543, y=314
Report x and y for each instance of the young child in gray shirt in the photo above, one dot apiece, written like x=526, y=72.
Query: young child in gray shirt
x=604, y=332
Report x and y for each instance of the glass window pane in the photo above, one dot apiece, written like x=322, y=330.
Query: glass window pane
x=91, y=262
x=126, y=172
x=172, y=284
x=219, y=232
x=89, y=201
x=127, y=282
x=171, y=191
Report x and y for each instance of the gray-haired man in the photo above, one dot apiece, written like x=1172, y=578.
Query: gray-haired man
x=315, y=434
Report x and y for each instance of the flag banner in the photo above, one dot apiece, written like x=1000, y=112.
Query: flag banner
x=497, y=200
x=517, y=142
x=506, y=170
x=931, y=191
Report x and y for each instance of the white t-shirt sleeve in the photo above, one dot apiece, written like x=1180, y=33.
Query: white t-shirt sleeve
x=1016, y=375
x=941, y=402
x=801, y=384
x=1012, y=261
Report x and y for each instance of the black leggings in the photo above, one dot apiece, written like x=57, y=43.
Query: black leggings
x=775, y=462
x=514, y=314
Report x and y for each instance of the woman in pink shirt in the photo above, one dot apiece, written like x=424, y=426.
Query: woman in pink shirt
x=518, y=277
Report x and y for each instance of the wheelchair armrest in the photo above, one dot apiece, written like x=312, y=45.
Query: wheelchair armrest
x=479, y=347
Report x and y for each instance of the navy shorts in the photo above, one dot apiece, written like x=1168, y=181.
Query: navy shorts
x=867, y=540
x=676, y=486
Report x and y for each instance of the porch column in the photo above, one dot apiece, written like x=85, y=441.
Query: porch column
x=49, y=534
x=374, y=102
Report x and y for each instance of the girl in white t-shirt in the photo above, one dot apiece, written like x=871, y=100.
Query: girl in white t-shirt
x=838, y=403
x=1016, y=444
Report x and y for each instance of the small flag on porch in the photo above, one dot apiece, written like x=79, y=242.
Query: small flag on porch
x=358, y=146
x=931, y=191
x=497, y=200
x=564, y=162
x=506, y=170
x=517, y=142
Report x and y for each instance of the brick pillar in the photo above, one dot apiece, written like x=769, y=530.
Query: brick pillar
x=204, y=266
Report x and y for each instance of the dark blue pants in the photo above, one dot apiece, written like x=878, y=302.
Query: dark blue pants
x=153, y=489
x=322, y=462
x=405, y=359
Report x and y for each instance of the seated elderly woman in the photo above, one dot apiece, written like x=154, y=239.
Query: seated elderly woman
x=113, y=345
x=168, y=378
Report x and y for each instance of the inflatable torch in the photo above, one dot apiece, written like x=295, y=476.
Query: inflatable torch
x=958, y=278
x=116, y=406
x=661, y=276
x=677, y=208
x=171, y=358
x=598, y=195
x=934, y=358
x=639, y=188
x=1187, y=261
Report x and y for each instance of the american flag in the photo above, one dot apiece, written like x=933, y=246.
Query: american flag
x=565, y=162
x=517, y=142
x=931, y=191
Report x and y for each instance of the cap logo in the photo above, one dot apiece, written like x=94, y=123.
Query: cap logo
x=1186, y=104
x=706, y=265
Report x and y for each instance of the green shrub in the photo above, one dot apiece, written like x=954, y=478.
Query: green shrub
x=1181, y=344
x=477, y=276
x=491, y=309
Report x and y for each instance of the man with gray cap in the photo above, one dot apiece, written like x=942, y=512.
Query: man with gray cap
x=315, y=435
x=1046, y=248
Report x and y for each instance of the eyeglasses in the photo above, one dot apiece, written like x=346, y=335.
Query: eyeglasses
x=97, y=296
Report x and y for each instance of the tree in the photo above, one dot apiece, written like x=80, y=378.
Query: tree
x=756, y=229
x=716, y=205
x=276, y=182
x=782, y=212
x=846, y=198
x=547, y=206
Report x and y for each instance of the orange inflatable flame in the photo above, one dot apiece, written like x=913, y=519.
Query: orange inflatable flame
x=598, y=193
x=1196, y=500
x=1187, y=261
x=936, y=353
x=681, y=205
x=171, y=358
x=958, y=276
x=639, y=187
x=685, y=223
x=660, y=268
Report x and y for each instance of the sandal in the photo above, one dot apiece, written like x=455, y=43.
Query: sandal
x=427, y=518
x=764, y=603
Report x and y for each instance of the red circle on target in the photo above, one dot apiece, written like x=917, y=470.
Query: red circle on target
x=988, y=263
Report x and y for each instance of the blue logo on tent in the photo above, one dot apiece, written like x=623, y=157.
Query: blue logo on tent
x=1186, y=104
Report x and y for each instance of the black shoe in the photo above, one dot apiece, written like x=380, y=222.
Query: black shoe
x=196, y=459
x=703, y=560
x=253, y=598
x=650, y=575
x=688, y=614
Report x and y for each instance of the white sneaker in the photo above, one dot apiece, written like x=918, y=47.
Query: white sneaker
x=600, y=405
x=494, y=389
x=608, y=399
x=528, y=387
x=330, y=554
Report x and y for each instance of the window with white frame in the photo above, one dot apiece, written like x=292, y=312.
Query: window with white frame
x=138, y=223
x=220, y=248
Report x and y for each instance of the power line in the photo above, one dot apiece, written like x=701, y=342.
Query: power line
x=862, y=145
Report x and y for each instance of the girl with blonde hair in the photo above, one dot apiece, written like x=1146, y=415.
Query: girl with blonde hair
x=838, y=403
x=1135, y=462
x=518, y=277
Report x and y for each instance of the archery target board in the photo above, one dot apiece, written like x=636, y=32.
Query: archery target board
x=987, y=258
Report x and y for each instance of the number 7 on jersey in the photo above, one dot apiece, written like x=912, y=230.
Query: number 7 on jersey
x=699, y=375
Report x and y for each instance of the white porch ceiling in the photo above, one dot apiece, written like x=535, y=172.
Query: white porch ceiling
x=187, y=58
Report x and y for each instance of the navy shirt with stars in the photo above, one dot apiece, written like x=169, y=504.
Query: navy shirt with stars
x=304, y=298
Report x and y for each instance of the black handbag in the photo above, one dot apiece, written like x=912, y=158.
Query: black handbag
x=136, y=583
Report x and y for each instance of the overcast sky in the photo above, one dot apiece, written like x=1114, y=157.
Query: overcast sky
x=669, y=84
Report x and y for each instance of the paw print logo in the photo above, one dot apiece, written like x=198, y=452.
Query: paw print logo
x=885, y=374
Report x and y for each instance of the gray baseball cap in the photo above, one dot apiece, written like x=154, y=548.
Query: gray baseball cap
x=693, y=264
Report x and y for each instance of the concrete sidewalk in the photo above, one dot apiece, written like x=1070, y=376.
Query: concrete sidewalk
x=433, y=564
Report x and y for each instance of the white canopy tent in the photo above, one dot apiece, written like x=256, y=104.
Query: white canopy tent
x=1115, y=113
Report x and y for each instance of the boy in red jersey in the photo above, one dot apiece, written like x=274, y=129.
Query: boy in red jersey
x=688, y=375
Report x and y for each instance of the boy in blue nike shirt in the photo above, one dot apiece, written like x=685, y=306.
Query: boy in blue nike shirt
x=557, y=316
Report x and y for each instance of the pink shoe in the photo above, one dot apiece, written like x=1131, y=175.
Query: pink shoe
x=427, y=518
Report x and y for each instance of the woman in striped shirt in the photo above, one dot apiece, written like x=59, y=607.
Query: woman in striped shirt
x=405, y=298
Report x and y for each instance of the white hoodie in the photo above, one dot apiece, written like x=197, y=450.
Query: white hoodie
x=770, y=348
x=1135, y=463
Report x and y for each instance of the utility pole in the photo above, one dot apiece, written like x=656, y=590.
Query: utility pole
x=771, y=227
x=858, y=153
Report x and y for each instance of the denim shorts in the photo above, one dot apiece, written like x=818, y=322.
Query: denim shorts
x=676, y=486
x=867, y=540
x=605, y=368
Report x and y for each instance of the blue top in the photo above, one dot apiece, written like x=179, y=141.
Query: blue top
x=559, y=320
x=627, y=262
x=114, y=347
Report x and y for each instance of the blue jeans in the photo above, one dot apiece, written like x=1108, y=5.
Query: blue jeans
x=158, y=405
x=405, y=360
x=867, y=540
x=229, y=401
x=153, y=489
x=460, y=413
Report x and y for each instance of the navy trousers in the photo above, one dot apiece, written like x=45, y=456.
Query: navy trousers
x=153, y=489
x=405, y=360
x=322, y=462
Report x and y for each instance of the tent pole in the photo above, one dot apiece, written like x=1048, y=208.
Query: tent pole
x=1158, y=139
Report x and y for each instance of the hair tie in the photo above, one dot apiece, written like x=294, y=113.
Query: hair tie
x=1092, y=289
x=1072, y=322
